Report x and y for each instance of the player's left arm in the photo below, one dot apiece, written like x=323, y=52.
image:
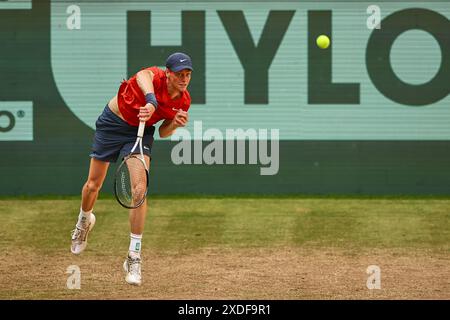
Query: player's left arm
x=168, y=127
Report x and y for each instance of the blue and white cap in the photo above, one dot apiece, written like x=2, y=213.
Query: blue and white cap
x=179, y=61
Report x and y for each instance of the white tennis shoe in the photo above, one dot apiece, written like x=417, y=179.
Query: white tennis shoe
x=80, y=236
x=132, y=266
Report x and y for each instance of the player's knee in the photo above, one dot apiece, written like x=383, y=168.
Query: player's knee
x=138, y=190
x=93, y=186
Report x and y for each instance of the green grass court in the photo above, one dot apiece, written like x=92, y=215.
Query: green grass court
x=311, y=234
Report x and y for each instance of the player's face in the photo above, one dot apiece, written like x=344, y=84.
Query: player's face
x=179, y=80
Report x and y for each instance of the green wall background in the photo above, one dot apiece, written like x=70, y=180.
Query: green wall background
x=62, y=79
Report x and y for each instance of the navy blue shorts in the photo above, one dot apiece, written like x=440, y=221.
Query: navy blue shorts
x=114, y=137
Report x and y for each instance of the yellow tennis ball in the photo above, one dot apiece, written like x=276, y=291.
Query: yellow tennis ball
x=323, y=42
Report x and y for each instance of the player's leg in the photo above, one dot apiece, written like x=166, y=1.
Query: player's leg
x=132, y=264
x=97, y=174
x=137, y=216
x=106, y=148
x=89, y=194
x=138, y=180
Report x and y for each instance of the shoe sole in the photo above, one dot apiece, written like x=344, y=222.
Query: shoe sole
x=91, y=225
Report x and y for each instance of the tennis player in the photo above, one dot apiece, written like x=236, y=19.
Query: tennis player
x=151, y=95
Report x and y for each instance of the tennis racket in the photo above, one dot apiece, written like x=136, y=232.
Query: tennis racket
x=131, y=179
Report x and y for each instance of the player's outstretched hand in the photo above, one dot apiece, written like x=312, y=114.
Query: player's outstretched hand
x=180, y=119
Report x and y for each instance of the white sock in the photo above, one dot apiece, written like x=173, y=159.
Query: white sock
x=83, y=218
x=135, y=243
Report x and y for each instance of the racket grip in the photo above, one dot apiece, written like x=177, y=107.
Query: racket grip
x=141, y=129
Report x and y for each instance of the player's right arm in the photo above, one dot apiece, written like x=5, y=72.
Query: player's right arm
x=144, y=80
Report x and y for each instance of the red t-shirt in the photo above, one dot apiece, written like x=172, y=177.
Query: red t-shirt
x=130, y=98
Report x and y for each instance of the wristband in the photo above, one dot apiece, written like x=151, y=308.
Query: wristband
x=151, y=98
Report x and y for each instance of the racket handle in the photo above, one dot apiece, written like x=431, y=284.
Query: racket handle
x=141, y=129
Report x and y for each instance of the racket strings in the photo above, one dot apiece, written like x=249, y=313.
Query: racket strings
x=131, y=186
